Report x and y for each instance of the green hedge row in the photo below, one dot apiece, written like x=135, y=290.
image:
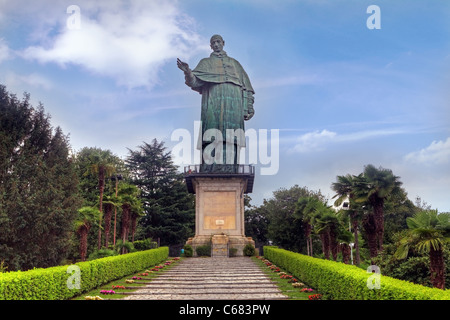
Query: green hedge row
x=340, y=281
x=60, y=283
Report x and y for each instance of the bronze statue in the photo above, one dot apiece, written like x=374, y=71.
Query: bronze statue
x=227, y=100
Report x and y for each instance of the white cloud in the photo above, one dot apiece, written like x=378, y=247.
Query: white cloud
x=126, y=40
x=313, y=141
x=438, y=152
x=318, y=140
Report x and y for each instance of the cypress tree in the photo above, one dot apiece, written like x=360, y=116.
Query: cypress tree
x=168, y=207
x=38, y=186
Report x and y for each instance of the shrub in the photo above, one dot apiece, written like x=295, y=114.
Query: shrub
x=146, y=244
x=233, y=252
x=188, y=251
x=249, y=250
x=102, y=253
x=204, y=250
x=340, y=281
x=52, y=283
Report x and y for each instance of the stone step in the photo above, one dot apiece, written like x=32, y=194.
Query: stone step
x=209, y=283
x=227, y=296
x=206, y=286
x=191, y=291
x=209, y=278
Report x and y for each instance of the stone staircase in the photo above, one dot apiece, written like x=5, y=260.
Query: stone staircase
x=216, y=278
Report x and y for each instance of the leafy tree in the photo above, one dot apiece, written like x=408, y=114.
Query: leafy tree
x=345, y=190
x=168, y=207
x=111, y=202
x=256, y=222
x=103, y=166
x=285, y=229
x=38, y=186
x=305, y=210
x=326, y=224
x=87, y=217
x=374, y=187
x=93, y=166
x=128, y=194
x=428, y=232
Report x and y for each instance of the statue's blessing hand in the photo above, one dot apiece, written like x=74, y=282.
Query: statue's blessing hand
x=182, y=65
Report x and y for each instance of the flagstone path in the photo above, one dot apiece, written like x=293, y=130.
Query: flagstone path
x=216, y=278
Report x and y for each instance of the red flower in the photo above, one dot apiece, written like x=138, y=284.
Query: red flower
x=317, y=296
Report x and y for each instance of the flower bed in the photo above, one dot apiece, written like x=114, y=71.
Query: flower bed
x=53, y=283
x=290, y=279
x=340, y=281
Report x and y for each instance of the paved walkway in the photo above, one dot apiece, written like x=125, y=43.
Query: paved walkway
x=236, y=278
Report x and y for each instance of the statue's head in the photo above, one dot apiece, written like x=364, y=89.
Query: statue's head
x=217, y=43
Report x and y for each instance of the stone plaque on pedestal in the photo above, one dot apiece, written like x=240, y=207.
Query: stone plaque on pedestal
x=219, y=210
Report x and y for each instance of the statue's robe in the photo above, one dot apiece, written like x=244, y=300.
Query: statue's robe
x=227, y=95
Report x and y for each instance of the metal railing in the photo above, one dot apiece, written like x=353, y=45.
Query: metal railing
x=220, y=169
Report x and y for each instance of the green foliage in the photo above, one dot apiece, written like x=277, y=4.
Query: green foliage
x=102, y=253
x=285, y=229
x=188, y=251
x=38, y=186
x=120, y=246
x=168, y=207
x=427, y=229
x=52, y=283
x=203, y=251
x=233, y=252
x=249, y=250
x=144, y=244
x=339, y=281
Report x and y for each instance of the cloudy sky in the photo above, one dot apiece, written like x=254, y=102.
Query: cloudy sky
x=339, y=93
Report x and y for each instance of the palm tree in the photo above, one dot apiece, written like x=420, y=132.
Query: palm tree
x=305, y=209
x=136, y=212
x=345, y=188
x=87, y=216
x=111, y=202
x=428, y=232
x=128, y=193
x=102, y=165
x=116, y=178
x=344, y=238
x=326, y=225
x=373, y=188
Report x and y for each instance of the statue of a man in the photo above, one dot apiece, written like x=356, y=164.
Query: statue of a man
x=227, y=100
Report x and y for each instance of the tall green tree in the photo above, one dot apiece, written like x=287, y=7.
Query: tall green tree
x=428, y=232
x=93, y=167
x=285, y=229
x=326, y=224
x=38, y=186
x=373, y=188
x=256, y=223
x=169, y=211
x=305, y=210
x=345, y=190
x=87, y=217
x=131, y=208
x=103, y=166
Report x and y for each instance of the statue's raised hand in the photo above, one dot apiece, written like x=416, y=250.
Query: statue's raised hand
x=183, y=65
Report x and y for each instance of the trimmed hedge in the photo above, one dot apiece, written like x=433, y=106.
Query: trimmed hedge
x=52, y=283
x=340, y=281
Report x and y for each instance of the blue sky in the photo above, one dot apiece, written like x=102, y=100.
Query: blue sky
x=341, y=95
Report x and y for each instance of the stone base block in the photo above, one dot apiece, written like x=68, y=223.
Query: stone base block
x=221, y=244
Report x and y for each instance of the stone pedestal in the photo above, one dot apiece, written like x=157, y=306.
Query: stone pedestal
x=219, y=211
